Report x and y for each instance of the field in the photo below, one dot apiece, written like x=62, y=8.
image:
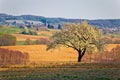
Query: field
x=66, y=71
x=41, y=34
x=10, y=30
x=57, y=64
x=38, y=53
x=21, y=37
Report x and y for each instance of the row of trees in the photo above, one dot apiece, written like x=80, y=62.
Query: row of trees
x=112, y=56
x=28, y=41
x=111, y=40
x=13, y=57
x=49, y=26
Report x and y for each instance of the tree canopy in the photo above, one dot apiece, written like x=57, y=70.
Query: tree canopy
x=81, y=37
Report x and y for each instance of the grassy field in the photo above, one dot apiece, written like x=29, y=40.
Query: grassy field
x=22, y=37
x=38, y=53
x=20, y=42
x=10, y=30
x=63, y=71
x=41, y=34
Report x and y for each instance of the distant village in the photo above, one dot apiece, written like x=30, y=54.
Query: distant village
x=32, y=24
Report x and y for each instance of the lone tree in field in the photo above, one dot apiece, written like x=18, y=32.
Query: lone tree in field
x=81, y=37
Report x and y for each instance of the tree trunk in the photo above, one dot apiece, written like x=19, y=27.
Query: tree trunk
x=79, y=57
x=81, y=54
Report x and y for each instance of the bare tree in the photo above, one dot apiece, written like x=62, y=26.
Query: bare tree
x=81, y=37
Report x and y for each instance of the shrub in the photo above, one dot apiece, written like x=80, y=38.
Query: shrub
x=32, y=32
x=29, y=32
x=108, y=40
x=28, y=41
x=42, y=41
x=7, y=40
x=116, y=41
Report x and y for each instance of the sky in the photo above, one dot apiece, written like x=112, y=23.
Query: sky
x=76, y=9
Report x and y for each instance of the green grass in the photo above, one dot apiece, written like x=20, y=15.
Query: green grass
x=77, y=71
x=20, y=43
x=10, y=30
x=24, y=43
x=44, y=35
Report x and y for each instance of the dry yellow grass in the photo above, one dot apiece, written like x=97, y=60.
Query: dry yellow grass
x=48, y=33
x=38, y=53
x=109, y=47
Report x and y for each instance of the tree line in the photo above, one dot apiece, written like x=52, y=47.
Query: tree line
x=112, y=56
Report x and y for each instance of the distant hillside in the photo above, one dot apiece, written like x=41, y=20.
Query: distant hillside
x=102, y=23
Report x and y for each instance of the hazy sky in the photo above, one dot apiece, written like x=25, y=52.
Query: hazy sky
x=85, y=9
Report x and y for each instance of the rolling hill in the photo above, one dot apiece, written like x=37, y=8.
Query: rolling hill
x=102, y=23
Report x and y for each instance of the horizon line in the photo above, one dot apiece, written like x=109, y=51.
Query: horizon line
x=60, y=17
